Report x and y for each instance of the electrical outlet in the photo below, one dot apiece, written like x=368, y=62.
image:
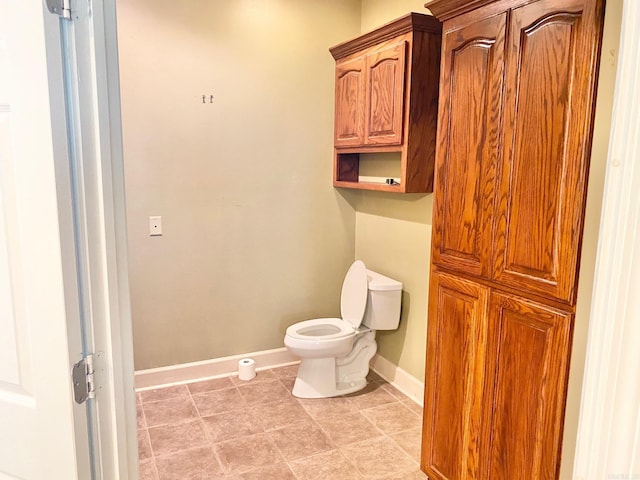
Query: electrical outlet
x=155, y=226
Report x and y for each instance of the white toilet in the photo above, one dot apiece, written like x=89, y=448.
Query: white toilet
x=335, y=352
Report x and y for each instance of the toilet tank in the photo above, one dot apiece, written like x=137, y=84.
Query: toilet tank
x=383, y=302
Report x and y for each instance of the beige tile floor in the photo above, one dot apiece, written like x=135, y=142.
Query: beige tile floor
x=234, y=430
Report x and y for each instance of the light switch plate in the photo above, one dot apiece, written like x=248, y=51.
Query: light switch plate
x=155, y=226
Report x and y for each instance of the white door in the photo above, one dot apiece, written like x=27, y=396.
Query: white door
x=43, y=433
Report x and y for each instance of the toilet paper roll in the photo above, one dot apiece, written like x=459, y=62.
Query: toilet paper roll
x=246, y=369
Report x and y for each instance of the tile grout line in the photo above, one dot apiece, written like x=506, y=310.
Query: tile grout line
x=383, y=433
x=361, y=411
x=211, y=444
x=155, y=466
x=313, y=419
x=288, y=462
x=266, y=432
x=333, y=446
x=152, y=458
x=278, y=450
x=338, y=448
x=263, y=431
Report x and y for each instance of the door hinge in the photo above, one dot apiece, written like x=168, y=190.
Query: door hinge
x=61, y=8
x=83, y=381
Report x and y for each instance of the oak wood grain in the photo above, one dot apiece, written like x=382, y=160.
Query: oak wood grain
x=349, y=102
x=385, y=90
x=528, y=351
x=346, y=167
x=455, y=376
x=421, y=117
x=448, y=9
x=493, y=284
x=412, y=22
x=515, y=125
x=551, y=72
x=395, y=106
x=468, y=150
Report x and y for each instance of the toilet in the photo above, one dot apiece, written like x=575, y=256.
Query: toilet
x=335, y=352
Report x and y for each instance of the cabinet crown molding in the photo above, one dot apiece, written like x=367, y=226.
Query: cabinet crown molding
x=446, y=9
x=408, y=23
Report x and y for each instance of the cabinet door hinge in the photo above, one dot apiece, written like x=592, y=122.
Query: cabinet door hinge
x=83, y=380
x=61, y=8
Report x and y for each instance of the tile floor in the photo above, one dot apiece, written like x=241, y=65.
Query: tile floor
x=235, y=430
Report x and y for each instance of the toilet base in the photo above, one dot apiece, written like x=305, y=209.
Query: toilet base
x=332, y=377
x=324, y=385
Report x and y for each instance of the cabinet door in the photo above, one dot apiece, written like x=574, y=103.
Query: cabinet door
x=468, y=145
x=528, y=349
x=385, y=95
x=550, y=75
x=349, y=114
x=454, y=378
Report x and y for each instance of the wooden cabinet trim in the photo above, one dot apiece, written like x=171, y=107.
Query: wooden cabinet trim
x=421, y=112
x=408, y=23
x=507, y=289
x=445, y=10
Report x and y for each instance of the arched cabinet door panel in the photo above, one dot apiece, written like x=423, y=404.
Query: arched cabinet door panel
x=468, y=145
x=349, y=109
x=385, y=95
x=550, y=77
x=528, y=349
x=454, y=377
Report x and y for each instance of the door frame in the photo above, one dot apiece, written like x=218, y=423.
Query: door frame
x=609, y=424
x=113, y=330
x=603, y=389
x=93, y=197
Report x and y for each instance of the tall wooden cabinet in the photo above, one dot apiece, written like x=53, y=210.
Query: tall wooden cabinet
x=517, y=95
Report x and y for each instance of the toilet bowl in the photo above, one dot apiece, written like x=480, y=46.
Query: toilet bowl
x=335, y=352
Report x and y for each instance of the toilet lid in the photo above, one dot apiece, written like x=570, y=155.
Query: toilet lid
x=353, y=299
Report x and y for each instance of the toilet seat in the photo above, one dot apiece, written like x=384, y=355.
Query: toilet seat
x=320, y=329
x=353, y=302
x=353, y=297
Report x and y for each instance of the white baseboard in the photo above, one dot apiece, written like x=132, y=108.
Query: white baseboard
x=207, y=369
x=399, y=378
x=265, y=359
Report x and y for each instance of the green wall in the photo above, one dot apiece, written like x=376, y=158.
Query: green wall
x=393, y=235
x=255, y=236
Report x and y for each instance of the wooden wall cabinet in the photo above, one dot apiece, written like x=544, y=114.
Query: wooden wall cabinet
x=386, y=100
x=514, y=137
